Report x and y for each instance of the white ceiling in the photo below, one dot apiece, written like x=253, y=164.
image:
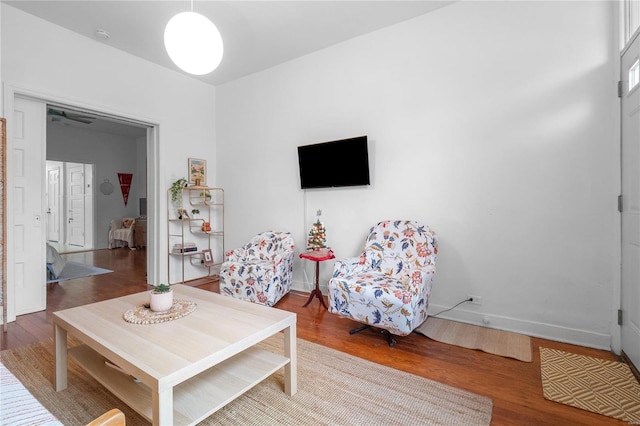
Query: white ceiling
x=257, y=34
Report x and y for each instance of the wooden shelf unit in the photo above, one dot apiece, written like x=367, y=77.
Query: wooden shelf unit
x=185, y=230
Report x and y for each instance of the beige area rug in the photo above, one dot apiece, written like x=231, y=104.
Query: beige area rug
x=497, y=342
x=604, y=387
x=334, y=388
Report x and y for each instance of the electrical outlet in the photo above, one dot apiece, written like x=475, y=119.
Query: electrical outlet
x=476, y=300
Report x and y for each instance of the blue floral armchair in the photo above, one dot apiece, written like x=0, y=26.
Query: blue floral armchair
x=260, y=271
x=389, y=285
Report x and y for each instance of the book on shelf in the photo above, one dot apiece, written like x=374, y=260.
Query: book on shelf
x=184, y=250
x=185, y=245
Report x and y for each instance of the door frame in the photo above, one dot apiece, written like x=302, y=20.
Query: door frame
x=623, y=78
x=13, y=91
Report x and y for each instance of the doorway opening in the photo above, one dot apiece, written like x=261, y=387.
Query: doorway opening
x=86, y=152
x=28, y=144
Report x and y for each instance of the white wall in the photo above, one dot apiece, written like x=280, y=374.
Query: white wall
x=56, y=64
x=111, y=154
x=489, y=121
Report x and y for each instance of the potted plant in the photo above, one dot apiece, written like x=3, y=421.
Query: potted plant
x=161, y=298
x=176, y=194
x=205, y=195
x=194, y=212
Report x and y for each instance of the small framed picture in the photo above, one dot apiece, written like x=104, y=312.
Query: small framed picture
x=207, y=257
x=197, y=171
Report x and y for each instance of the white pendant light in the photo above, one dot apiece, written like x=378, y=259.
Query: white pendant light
x=193, y=43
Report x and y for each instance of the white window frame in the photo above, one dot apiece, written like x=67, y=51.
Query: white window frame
x=630, y=20
x=634, y=75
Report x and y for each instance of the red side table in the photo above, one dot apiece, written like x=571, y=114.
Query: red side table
x=317, y=256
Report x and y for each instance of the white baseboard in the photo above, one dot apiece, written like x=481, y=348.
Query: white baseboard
x=530, y=328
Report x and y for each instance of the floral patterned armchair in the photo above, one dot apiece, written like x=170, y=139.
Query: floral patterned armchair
x=389, y=285
x=260, y=271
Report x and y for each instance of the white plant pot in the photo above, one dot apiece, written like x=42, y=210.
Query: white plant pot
x=160, y=302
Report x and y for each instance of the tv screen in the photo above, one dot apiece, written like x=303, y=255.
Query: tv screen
x=343, y=162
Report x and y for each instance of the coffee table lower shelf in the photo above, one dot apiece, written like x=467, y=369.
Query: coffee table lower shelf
x=198, y=397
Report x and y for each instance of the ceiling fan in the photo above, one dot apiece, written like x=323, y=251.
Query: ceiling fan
x=58, y=115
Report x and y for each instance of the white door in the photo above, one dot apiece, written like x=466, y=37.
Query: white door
x=630, y=115
x=88, y=206
x=75, y=203
x=54, y=196
x=26, y=249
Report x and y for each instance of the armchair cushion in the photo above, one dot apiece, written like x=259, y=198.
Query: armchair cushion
x=390, y=283
x=261, y=270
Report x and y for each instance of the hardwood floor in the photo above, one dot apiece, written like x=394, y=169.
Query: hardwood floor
x=514, y=386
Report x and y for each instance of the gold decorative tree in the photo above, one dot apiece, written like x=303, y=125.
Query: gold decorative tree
x=317, y=236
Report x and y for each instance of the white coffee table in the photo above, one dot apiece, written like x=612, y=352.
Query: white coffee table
x=186, y=368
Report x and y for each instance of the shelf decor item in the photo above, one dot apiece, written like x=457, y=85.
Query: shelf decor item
x=161, y=298
x=176, y=195
x=317, y=236
x=125, y=185
x=197, y=171
x=176, y=191
x=207, y=257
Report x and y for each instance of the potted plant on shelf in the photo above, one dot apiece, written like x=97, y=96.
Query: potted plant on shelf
x=161, y=298
x=206, y=196
x=176, y=194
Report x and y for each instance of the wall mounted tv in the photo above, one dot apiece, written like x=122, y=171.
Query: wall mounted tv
x=339, y=163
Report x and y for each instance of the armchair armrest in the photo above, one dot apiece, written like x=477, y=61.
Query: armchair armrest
x=282, y=262
x=115, y=224
x=230, y=255
x=284, y=255
x=347, y=267
x=419, y=280
x=237, y=254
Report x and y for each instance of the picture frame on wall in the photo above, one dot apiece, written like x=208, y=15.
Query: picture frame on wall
x=197, y=171
x=207, y=257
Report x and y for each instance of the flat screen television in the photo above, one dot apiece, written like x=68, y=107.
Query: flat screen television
x=333, y=164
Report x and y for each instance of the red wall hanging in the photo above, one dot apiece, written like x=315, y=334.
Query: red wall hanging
x=125, y=185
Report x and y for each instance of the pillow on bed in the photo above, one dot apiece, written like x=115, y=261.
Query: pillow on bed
x=55, y=260
x=128, y=222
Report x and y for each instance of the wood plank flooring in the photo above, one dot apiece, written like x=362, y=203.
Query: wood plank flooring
x=514, y=386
